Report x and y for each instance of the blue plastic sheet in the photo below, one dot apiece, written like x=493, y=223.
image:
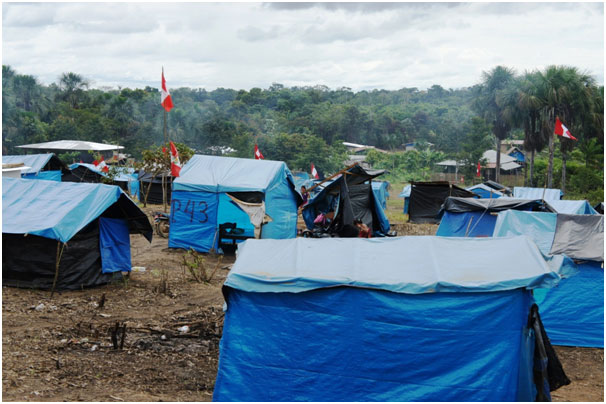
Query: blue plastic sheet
x=51, y=209
x=484, y=191
x=573, y=311
x=353, y=344
x=572, y=207
x=53, y=175
x=379, y=188
x=114, y=242
x=193, y=220
x=468, y=224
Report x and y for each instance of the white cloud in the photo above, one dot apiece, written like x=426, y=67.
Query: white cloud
x=245, y=45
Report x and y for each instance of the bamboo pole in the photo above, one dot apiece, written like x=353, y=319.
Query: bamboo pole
x=60, y=247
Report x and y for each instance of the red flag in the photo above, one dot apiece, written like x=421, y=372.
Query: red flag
x=258, y=155
x=164, y=150
x=167, y=102
x=101, y=165
x=175, y=164
x=314, y=172
x=479, y=170
x=562, y=130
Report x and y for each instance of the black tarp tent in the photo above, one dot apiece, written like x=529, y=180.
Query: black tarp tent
x=154, y=196
x=426, y=199
x=69, y=235
x=350, y=197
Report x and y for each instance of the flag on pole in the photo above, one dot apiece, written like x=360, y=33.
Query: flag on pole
x=479, y=170
x=258, y=155
x=167, y=102
x=562, y=130
x=175, y=164
x=314, y=172
x=101, y=165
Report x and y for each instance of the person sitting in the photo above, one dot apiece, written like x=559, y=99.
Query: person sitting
x=305, y=195
x=364, y=230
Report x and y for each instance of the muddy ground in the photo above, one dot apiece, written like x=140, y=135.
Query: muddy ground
x=70, y=347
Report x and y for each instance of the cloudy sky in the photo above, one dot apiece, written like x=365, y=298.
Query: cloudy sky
x=244, y=45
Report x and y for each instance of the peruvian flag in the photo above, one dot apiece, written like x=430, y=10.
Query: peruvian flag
x=101, y=165
x=562, y=130
x=314, y=172
x=175, y=164
x=479, y=170
x=167, y=102
x=258, y=155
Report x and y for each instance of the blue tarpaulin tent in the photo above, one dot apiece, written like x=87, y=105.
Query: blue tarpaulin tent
x=573, y=312
x=200, y=201
x=471, y=217
x=484, y=191
x=380, y=189
x=546, y=194
x=390, y=319
x=572, y=207
x=89, y=223
x=42, y=166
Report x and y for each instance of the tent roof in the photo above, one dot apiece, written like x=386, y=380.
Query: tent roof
x=393, y=264
x=499, y=187
x=572, y=207
x=229, y=174
x=485, y=188
x=458, y=205
x=579, y=237
x=537, y=193
x=36, y=162
x=59, y=210
x=71, y=145
x=125, y=174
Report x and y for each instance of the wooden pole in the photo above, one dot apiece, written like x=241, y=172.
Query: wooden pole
x=60, y=247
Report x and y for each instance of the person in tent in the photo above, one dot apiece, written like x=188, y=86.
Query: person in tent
x=305, y=195
x=364, y=230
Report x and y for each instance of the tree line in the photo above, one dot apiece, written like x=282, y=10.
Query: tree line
x=301, y=125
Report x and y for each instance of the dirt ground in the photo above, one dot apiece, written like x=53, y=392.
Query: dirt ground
x=62, y=348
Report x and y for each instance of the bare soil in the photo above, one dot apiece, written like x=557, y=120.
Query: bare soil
x=61, y=348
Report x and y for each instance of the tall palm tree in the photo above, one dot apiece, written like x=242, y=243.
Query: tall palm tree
x=494, y=82
x=565, y=93
x=72, y=86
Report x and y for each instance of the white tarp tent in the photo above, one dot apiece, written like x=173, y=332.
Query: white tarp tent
x=71, y=145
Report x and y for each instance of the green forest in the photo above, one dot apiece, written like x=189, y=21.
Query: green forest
x=301, y=125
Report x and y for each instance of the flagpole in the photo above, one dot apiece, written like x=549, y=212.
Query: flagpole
x=165, y=131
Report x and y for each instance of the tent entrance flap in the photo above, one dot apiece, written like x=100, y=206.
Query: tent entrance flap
x=193, y=220
x=114, y=243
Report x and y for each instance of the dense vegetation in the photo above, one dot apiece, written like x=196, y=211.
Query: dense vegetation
x=301, y=125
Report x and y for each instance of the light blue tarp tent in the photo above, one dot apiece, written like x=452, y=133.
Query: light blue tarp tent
x=389, y=319
x=547, y=194
x=406, y=195
x=48, y=210
x=572, y=207
x=200, y=203
x=472, y=217
x=380, y=189
x=573, y=312
x=42, y=166
x=484, y=191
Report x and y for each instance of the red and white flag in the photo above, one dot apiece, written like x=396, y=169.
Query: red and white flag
x=101, y=165
x=258, y=154
x=479, y=170
x=314, y=172
x=167, y=102
x=562, y=130
x=175, y=164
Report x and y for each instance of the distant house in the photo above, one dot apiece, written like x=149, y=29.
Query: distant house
x=510, y=143
x=509, y=165
x=517, y=154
